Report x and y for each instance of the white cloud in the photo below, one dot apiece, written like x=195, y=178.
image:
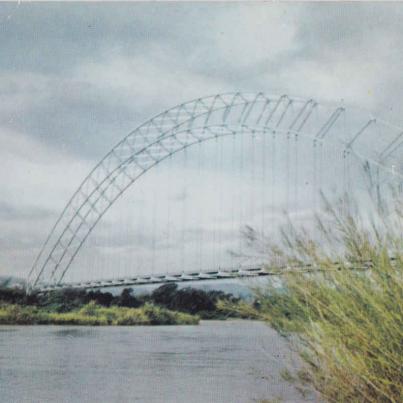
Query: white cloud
x=19, y=92
x=250, y=34
x=92, y=90
x=36, y=182
x=145, y=81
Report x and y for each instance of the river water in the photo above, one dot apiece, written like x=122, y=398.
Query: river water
x=215, y=362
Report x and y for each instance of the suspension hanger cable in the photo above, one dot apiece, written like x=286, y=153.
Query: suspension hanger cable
x=216, y=184
x=320, y=174
x=345, y=152
x=222, y=209
x=263, y=184
x=252, y=180
x=315, y=175
x=296, y=169
x=154, y=234
x=287, y=170
x=168, y=247
x=233, y=170
x=141, y=231
x=273, y=178
x=201, y=212
x=241, y=198
x=184, y=196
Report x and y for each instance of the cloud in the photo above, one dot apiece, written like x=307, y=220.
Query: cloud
x=75, y=78
x=36, y=182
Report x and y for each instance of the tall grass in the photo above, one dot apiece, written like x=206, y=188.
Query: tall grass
x=347, y=315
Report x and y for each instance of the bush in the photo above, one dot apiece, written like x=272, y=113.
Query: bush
x=101, y=298
x=164, y=295
x=347, y=316
x=352, y=328
x=190, y=300
x=163, y=316
x=63, y=300
x=127, y=299
x=15, y=296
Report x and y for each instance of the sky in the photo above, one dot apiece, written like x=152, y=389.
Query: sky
x=75, y=78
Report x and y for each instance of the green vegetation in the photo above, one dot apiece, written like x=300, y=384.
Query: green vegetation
x=347, y=316
x=94, y=315
x=167, y=305
x=192, y=300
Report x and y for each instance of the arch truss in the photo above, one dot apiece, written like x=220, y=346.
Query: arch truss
x=194, y=122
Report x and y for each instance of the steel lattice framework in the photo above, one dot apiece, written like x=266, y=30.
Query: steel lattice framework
x=197, y=121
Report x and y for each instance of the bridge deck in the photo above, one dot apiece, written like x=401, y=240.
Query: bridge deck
x=254, y=271
x=241, y=272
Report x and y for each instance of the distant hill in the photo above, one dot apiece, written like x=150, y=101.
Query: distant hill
x=12, y=282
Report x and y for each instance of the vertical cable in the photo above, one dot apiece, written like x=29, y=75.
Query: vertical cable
x=154, y=234
x=287, y=170
x=252, y=181
x=201, y=212
x=184, y=196
x=273, y=180
x=233, y=170
x=320, y=191
x=263, y=184
x=321, y=171
x=315, y=173
x=345, y=151
x=168, y=226
x=241, y=189
x=348, y=180
x=221, y=183
x=141, y=232
x=296, y=168
x=344, y=185
x=273, y=174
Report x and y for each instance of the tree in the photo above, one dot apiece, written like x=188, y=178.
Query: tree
x=163, y=295
x=101, y=298
x=127, y=299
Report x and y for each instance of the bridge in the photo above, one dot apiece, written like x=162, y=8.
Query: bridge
x=221, y=274
x=280, y=152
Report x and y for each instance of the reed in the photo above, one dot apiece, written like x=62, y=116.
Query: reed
x=347, y=317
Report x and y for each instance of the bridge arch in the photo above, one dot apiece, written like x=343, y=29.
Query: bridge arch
x=180, y=127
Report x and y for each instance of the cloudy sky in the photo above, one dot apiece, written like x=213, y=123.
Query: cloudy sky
x=75, y=78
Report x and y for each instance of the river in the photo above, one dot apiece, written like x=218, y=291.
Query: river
x=215, y=362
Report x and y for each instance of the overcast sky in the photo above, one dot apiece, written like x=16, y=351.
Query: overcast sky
x=75, y=78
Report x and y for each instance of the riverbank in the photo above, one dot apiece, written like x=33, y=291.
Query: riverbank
x=166, y=305
x=93, y=314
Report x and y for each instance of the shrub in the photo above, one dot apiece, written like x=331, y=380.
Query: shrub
x=347, y=316
x=190, y=300
x=127, y=299
x=164, y=295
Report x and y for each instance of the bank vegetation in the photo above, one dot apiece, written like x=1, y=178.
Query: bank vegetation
x=166, y=305
x=345, y=310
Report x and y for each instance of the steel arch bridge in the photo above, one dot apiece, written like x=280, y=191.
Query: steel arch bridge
x=356, y=138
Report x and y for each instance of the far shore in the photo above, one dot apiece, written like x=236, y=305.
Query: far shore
x=93, y=314
x=166, y=305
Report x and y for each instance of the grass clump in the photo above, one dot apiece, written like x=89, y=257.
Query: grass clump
x=93, y=314
x=351, y=328
x=347, y=316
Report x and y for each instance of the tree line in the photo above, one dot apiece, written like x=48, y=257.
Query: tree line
x=170, y=296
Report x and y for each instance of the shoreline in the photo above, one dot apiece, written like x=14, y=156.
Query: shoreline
x=166, y=305
x=92, y=314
